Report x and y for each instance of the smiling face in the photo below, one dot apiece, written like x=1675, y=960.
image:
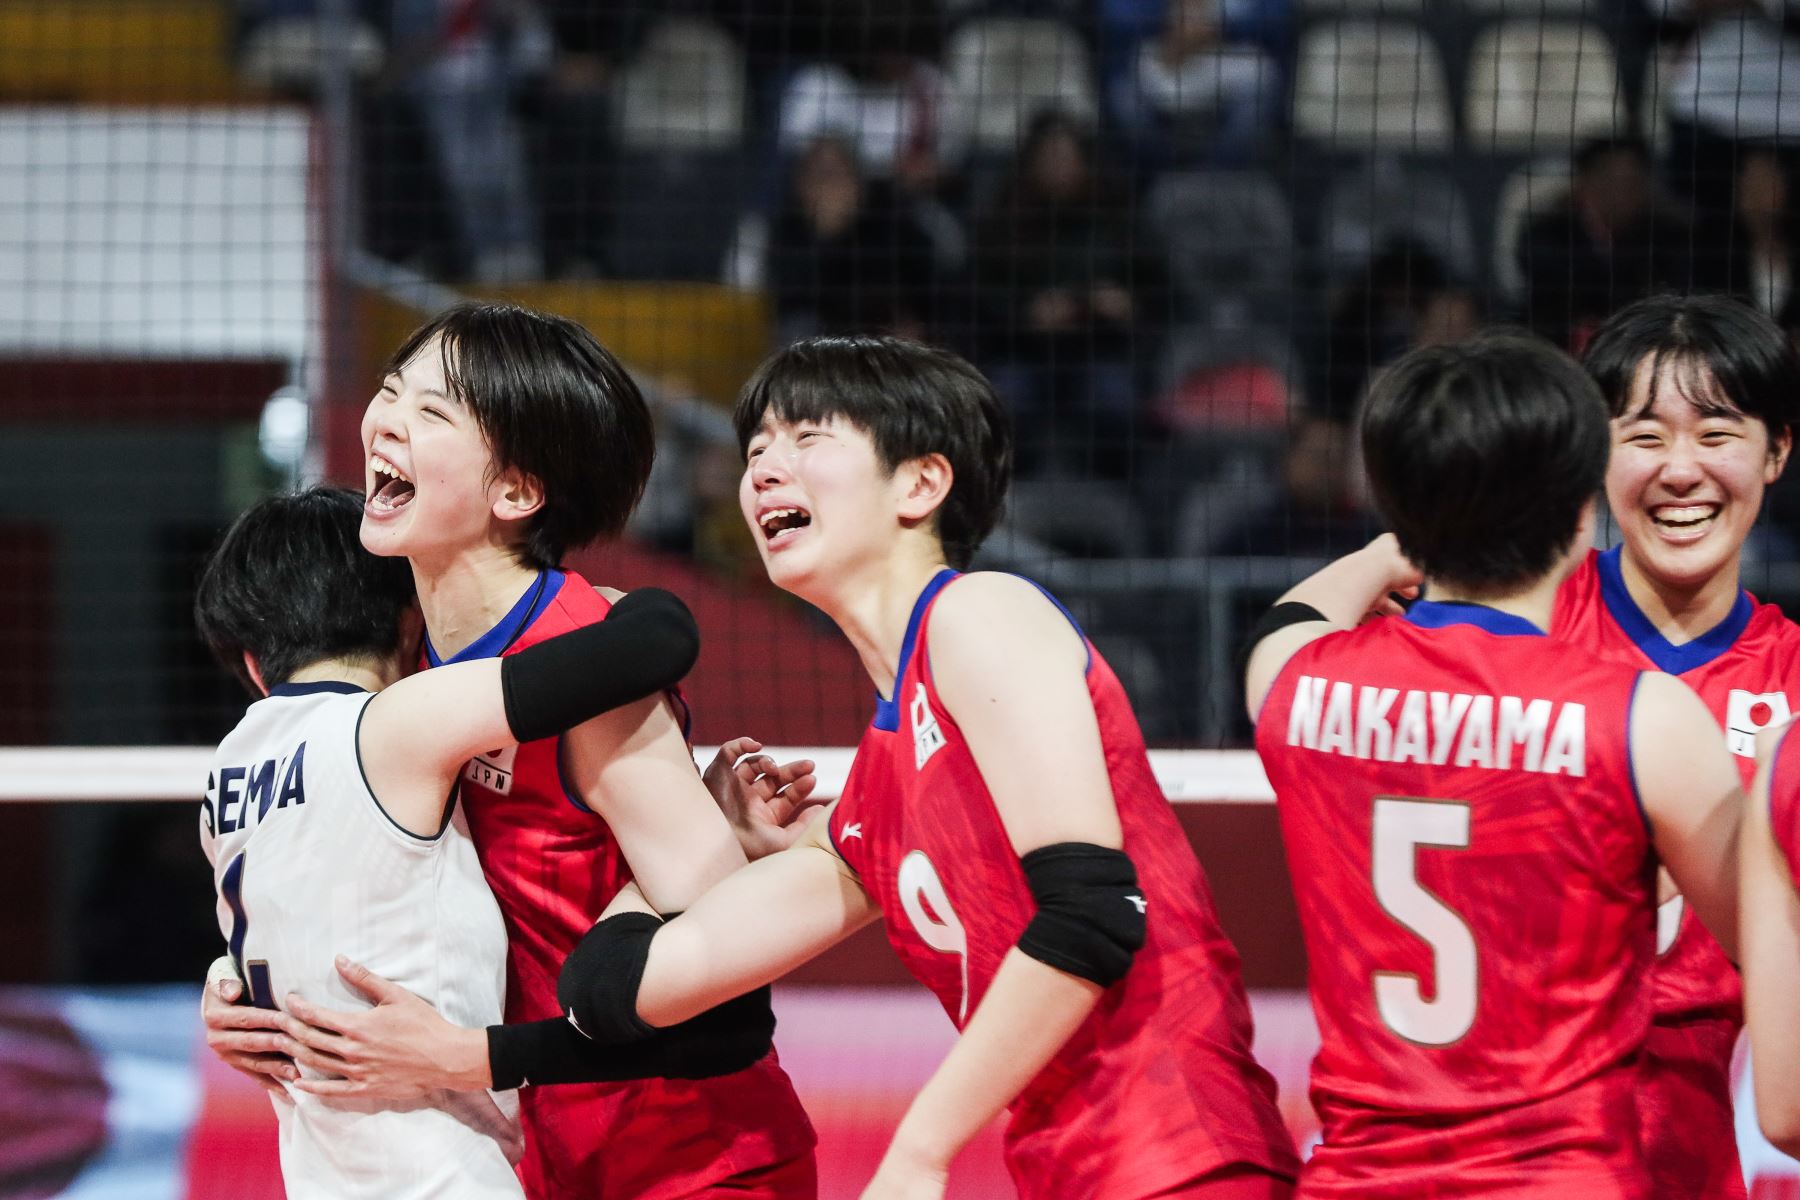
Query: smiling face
x=1687, y=475
x=427, y=470
x=819, y=503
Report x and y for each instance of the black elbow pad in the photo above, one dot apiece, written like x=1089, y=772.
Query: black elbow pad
x=1090, y=918
x=598, y=986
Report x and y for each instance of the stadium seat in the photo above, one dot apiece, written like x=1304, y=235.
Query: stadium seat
x=1528, y=192
x=1003, y=71
x=1542, y=85
x=1230, y=242
x=1362, y=83
x=684, y=89
x=1384, y=200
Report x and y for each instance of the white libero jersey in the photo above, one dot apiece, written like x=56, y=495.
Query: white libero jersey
x=308, y=866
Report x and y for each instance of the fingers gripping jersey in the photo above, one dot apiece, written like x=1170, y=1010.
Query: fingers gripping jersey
x=1747, y=670
x=554, y=866
x=1473, y=874
x=1158, y=1086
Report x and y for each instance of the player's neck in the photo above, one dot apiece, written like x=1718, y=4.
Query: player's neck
x=873, y=612
x=358, y=672
x=1681, y=613
x=464, y=597
x=1535, y=603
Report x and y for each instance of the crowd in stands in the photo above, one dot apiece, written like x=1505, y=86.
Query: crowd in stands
x=1162, y=227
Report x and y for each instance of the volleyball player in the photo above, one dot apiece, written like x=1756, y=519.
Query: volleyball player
x=1701, y=390
x=500, y=439
x=330, y=824
x=1001, y=816
x=1473, y=812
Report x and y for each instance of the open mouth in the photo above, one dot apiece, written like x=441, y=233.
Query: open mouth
x=390, y=490
x=1684, y=518
x=781, y=525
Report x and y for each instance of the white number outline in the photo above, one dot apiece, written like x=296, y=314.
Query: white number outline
x=1455, y=963
x=917, y=878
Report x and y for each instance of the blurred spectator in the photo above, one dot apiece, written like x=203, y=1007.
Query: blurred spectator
x=842, y=257
x=1754, y=253
x=1612, y=241
x=1404, y=298
x=1738, y=76
x=1321, y=511
x=574, y=111
x=1193, y=96
x=461, y=62
x=881, y=91
x=1064, y=278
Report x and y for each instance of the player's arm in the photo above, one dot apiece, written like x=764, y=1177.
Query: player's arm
x=1335, y=597
x=634, y=972
x=704, y=1008
x=1769, y=943
x=1012, y=672
x=416, y=735
x=1693, y=797
x=634, y=768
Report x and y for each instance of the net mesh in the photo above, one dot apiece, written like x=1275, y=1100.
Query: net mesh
x=1179, y=235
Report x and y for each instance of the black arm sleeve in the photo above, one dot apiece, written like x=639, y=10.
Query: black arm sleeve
x=646, y=644
x=732, y=1037
x=1279, y=617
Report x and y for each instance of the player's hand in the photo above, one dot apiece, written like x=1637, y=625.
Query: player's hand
x=246, y=1039
x=904, y=1177
x=1398, y=575
x=399, y=1050
x=768, y=805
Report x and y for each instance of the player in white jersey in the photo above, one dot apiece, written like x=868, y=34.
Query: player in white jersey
x=331, y=825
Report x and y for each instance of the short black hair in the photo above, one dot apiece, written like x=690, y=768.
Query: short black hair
x=1481, y=456
x=1726, y=356
x=291, y=583
x=553, y=403
x=912, y=400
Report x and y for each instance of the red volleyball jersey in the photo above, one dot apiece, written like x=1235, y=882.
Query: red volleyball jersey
x=1158, y=1086
x=1474, y=879
x=553, y=866
x=1784, y=800
x=1747, y=670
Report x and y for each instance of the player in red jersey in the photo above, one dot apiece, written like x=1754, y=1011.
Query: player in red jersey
x=1701, y=390
x=1001, y=816
x=1473, y=812
x=499, y=439
x=1769, y=935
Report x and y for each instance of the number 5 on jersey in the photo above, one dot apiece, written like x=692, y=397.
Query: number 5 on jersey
x=1401, y=829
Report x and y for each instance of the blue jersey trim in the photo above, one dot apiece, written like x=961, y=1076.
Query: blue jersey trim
x=887, y=712
x=318, y=688
x=1070, y=618
x=1637, y=793
x=506, y=631
x=1667, y=656
x=1441, y=614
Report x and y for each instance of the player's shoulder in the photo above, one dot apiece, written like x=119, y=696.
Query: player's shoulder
x=1770, y=625
x=995, y=609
